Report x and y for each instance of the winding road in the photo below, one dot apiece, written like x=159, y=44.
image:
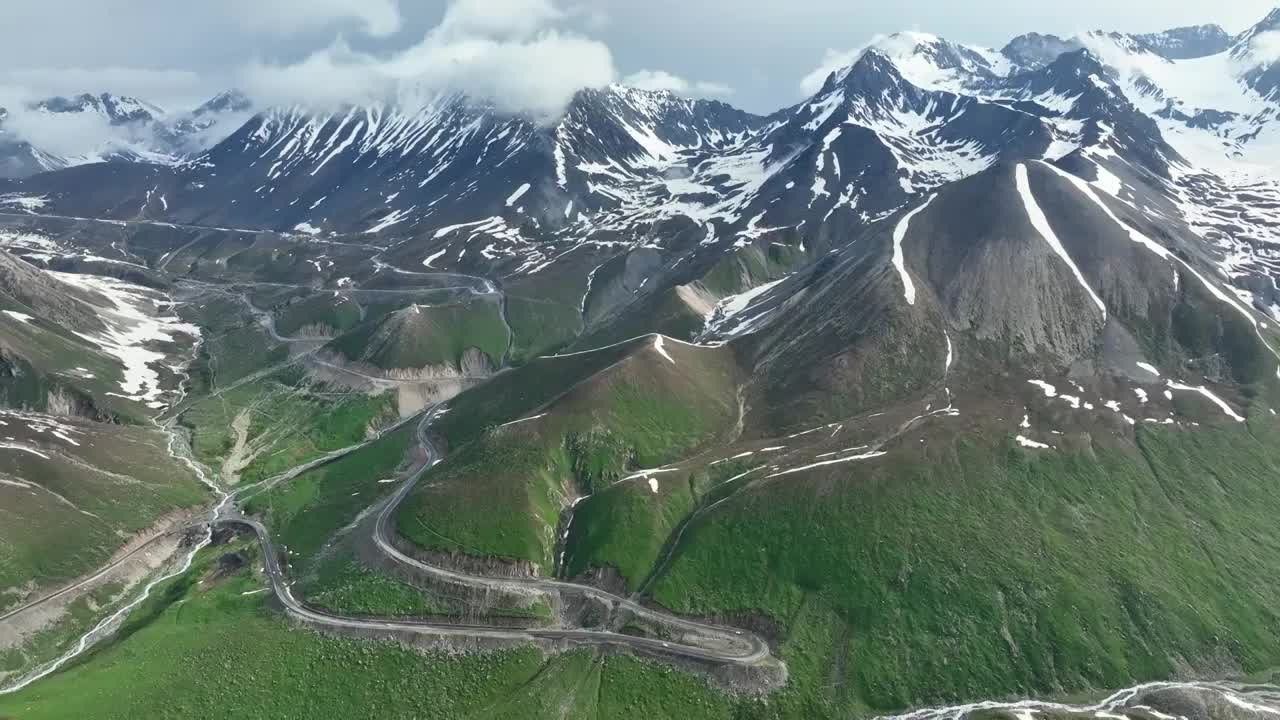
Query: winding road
x=723, y=646
x=732, y=646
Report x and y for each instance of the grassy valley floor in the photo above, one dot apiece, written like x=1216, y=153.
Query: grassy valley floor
x=208, y=646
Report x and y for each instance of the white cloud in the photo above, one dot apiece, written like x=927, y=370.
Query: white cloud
x=1265, y=47
x=832, y=61
x=505, y=50
x=333, y=76
x=663, y=80
x=899, y=45
x=516, y=19
x=143, y=83
x=286, y=17
x=75, y=135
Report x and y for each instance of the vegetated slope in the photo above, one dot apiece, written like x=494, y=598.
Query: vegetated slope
x=258, y=429
x=74, y=491
x=459, y=337
x=321, y=314
x=1105, y=563
x=502, y=489
x=306, y=512
x=158, y=663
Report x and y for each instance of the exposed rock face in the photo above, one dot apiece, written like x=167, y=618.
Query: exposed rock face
x=1034, y=50
x=54, y=301
x=1187, y=43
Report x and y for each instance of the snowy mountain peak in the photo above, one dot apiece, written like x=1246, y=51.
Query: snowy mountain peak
x=871, y=74
x=1259, y=38
x=1270, y=23
x=118, y=109
x=928, y=61
x=1034, y=50
x=226, y=101
x=1186, y=43
x=193, y=132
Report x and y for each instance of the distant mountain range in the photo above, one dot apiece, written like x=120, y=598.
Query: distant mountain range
x=1182, y=122
x=1179, y=127
x=117, y=127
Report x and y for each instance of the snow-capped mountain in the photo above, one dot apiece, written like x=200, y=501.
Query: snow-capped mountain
x=194, y=132
x=1180, y=125
x=1033, y=50
x=114, y=109
x=1258, y=53
x=59, y=132
x=451, y=161
x=19, y=158
x=95, y=128
x=1186, y=43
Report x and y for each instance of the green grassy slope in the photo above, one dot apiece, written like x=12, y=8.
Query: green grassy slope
x=208, y=650
x=544, y=310
x=232, y=355
x=422, y=335
x=309, y=509
x=325, y=312
x=518, y=393
x=287, y=421
x=972, y=568
x=66, y=513
x=501, y=493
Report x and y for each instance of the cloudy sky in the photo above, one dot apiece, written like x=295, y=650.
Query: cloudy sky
x=529, y=53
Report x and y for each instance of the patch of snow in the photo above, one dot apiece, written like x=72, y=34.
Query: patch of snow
x=433, y=256
x=131, y=328
x=522, y=420
x=392, y=218
x=20, y=317
x=1029, y=443
x=1049, y=390
x=657, y=345
x=899, y=261
x=863, y=456
x=1149, y=368
x=519, y=193
x=1041, y=224
x=30, y=203
x=644, y=474
x=653, y=485
x=729, y=319
x=22, y=448
x=1204, y=391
